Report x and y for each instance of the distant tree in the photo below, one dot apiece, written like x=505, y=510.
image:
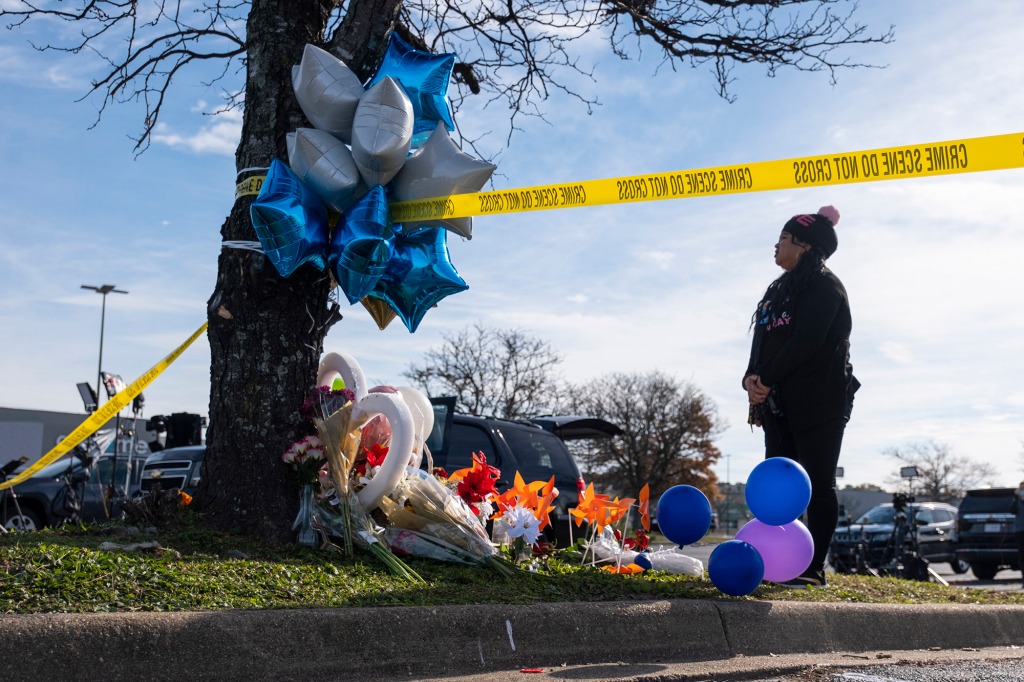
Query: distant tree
x=942, y=475
x=866, y=487
x=500, y=372
x=669, y=427
x=266, y=332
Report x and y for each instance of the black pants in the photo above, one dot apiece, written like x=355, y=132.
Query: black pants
x=817, y=451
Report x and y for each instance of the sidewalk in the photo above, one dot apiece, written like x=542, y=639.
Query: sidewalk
x=481, y=642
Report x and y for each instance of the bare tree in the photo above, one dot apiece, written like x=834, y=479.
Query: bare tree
x=942, y=475
x=501, y=372
x=669, y=427
x=266, y=333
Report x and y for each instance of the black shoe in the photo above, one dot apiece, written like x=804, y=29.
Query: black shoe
x=808, y=580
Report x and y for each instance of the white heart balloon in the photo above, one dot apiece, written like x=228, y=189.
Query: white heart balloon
x=343, y=365
x=423, y=419
x=403, y=429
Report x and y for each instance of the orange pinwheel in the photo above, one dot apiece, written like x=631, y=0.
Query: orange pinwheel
x=645, y=507
x=600, y=509
x=609, y=512
x=587, y=505
x=628, y=569
x=544, y=507
x=520, y=494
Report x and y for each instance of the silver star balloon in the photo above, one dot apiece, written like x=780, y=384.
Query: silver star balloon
x=328, y=92
x=440, y=169
x=325, y=164
x=382, y=132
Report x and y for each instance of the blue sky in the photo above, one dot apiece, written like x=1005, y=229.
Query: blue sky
x=931, y=265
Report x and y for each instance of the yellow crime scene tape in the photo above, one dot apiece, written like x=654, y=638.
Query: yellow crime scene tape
x=997, y=152
x=104, y=414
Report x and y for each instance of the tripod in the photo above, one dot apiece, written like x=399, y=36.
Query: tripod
x=8, y=499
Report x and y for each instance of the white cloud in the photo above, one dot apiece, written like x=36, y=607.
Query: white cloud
x=220, y=136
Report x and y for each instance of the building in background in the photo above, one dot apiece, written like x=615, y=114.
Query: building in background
x=33, y=433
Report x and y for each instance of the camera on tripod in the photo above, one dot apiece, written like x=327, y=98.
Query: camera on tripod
x=901, y=500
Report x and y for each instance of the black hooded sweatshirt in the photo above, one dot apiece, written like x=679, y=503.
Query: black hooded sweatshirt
x=802, y=350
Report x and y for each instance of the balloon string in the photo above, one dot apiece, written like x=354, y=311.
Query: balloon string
x=242, y=244
x=250, y=170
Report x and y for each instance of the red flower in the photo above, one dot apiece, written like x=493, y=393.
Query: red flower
x=476, y=483
x=375, y=455
x=638, y=542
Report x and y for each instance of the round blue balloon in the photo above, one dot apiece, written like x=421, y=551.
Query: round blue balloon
x=684, y=514
x=643, y=560
x=778, y=490
x=736, y=568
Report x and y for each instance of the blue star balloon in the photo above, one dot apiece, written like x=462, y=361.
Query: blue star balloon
x=419, y=275
x=425, y=77
x=290, y=221
x=361, y=245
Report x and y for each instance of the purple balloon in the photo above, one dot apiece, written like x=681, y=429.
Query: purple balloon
x=786, y=550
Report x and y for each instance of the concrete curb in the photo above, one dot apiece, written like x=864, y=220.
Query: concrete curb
x=417, y=642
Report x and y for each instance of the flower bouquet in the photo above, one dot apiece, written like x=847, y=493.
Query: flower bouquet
x=306, y=456
x=331, y=414
x=428, y=519
x=337, y=510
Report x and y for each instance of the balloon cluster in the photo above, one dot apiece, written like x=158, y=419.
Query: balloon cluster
x=775, y=546
x=387, y=141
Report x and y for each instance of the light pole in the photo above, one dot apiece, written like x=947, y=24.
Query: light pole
x=105, y=289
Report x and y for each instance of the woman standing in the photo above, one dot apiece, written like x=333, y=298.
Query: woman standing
x=799, y=380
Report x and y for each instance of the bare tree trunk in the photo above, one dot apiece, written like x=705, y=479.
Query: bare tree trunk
x=266, y=332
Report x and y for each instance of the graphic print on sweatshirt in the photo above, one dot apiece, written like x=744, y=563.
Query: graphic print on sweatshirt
x=772, y=320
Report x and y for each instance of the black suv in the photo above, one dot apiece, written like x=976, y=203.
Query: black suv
x=985, y=531
x=935, y=523
x=534, y=448
x=179, y=468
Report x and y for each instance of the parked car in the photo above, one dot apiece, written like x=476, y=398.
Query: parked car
x=60, y=490
x=935, y=522
x=535, y=448
x=179, y=468
x=984, y=531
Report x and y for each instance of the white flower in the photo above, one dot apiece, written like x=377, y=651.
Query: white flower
x=519, y=522
x=316, y=454
x=485, y=510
